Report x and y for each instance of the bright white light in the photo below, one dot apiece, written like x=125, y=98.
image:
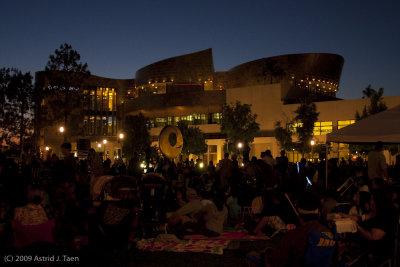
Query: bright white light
x=121, y=136
x=61, y=129
x=75, y=154
x=142, y=165
x=47, y=148
x=104, y=141
x=242, y=164
x=201, y=165
x=98, y=145
x=312, y=142
x=240, y=145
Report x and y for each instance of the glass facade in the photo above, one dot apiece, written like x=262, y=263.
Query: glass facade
x=100, y=111
x=345, y=123
x=322, y=127
x=211, y=155
x=192, y=119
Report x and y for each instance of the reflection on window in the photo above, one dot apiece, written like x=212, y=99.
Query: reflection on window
x=294, y=126
x=200, y=119
x=322, y=127
x=211, y=155
x=216, y=118
x=342, y=124
x=160, y=122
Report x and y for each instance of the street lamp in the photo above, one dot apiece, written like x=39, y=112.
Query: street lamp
x=312, y=149
x=240, y=145
x=61, y=129
x=105, y=142
x=121, y=136
x=99, y=145
x=46, y=148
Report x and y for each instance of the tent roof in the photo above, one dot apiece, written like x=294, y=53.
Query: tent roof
x=384, y=126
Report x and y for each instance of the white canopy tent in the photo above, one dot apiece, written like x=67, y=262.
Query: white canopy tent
x=384, y=126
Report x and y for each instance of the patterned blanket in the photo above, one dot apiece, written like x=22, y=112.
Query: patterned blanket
x=205, y=246
x=229, y=234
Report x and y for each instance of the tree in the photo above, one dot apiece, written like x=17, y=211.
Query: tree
x=66, y=74
x=284, y=136
x=193, y=139
x=307, y=115
x=239, y=125
x=136, y=144
x=272, y=69
x=376, y=104
x=16, y=94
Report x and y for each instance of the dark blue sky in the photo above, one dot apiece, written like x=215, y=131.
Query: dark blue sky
x=116, y=38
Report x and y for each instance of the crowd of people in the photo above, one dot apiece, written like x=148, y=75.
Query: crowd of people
x=195, y=198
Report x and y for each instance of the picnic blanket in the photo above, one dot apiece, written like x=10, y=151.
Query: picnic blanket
x=194, y=245
x=229, y=234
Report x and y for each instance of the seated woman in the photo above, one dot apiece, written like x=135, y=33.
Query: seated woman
x=215, y=216
x=379, y=229
x=270, y=215
x=33, y=213
x=361, y=207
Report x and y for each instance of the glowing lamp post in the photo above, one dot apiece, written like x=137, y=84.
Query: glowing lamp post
x=240, y=146
x=312, y=149
x=120, y=137
x=105, y=142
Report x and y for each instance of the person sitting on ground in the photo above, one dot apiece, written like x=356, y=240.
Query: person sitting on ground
x=291, y=250
x=377, y=163
x=269, y=221
x=361, y=207
x=378, y=229
x=216, y=214
x=188, y=212
x=33, y=213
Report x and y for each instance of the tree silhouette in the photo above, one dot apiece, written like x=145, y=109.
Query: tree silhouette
x=193, y=139
x=239, y=125
x=307, y=115
x=66, y=74
x=137, y=141
x=16, y=94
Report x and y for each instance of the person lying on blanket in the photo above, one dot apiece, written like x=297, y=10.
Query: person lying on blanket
x=201, y=217
x=266, y=214
x=188, y=212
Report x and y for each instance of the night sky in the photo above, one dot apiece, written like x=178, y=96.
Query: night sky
x=116, y=38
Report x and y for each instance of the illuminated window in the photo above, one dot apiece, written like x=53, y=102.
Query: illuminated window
x=294, y=126
x=110, y=126
x=188, y=118
x=211, y=154
x=200, y=119
x=170, y=120
x=98, y=98
x=342, y=124
x=216, y=118
x=105, y=124
x=111, y=98
x=160, y=122
x=322, y=127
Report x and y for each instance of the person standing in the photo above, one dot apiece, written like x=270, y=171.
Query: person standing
x=377, y=167
x=225, y=168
